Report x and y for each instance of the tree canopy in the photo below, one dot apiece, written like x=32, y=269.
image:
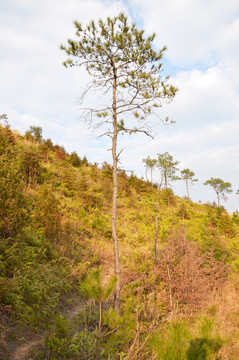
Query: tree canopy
x=118, y=56
x=221, y=187
x=168, y=167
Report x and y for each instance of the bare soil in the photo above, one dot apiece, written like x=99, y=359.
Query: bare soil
x=22, y=349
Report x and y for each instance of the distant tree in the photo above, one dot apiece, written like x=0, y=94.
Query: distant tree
x=3, y=117
x=45, y=148
x=85, y=161
x=60, y=152
x=188, y=175
x=7, y=139
x=30, y=166
x=124, y=64
x=167, y=167
x=149, y=164
x=35, y=132
x=221, y=187
x=237, y=192
x=75, y=160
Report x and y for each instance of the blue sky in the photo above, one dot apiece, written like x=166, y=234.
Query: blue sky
x=202, y=60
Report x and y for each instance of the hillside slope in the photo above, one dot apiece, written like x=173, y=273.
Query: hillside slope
x=56, y=251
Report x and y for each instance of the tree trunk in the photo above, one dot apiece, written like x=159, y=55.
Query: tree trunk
x=156, y=226
x=100, y=317
x=187, y=188
x=165, y=181
x=156, y=231
x=218, y=200
x=114, y=201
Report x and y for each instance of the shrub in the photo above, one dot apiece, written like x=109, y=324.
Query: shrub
x=235, y=217
x=30, y=166
x=176, y=341
x=172, y=343
x=167, y=197
x=182, y=211
x=46, y=213
x=13, y=211
x=188, y=275
x=75, y=160
x=45, y=148
x=7, y=139
x=60, y=152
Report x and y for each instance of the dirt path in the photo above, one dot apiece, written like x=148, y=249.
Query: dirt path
x=23, y=351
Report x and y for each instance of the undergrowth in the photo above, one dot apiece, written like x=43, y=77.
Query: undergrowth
x=55, y=211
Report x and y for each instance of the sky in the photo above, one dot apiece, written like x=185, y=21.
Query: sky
x=202, y=60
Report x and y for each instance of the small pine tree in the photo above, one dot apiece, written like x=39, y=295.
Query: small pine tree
x=92, y=287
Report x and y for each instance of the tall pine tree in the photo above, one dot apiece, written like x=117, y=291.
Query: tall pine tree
x=123, y=63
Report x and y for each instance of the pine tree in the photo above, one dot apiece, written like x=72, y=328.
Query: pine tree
x=188, y=175
x=123, y=63
x=167, y=166
x=149, y=164
x=221, y=187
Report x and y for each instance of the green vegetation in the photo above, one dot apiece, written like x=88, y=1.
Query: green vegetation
x=56, y=262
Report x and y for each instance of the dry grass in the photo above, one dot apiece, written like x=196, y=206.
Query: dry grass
x=226, y=305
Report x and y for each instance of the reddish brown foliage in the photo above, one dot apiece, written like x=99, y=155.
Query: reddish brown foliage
x=60, y=152
x=188, y=275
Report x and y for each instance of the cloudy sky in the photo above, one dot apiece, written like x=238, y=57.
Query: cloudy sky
x=202, y=37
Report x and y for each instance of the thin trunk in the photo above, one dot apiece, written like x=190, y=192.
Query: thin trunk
x=147, y=174
x=187, y=188
x=100, y=308
x=156, y=232
x=165, y=181
x=170, y=288
x=218, y=199
x=156, y=240
x=156, y=227
x=114, y=201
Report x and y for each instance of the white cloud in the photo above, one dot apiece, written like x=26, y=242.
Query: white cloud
x=194, y=31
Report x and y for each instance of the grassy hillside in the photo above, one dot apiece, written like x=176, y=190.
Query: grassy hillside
x=56, y=252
